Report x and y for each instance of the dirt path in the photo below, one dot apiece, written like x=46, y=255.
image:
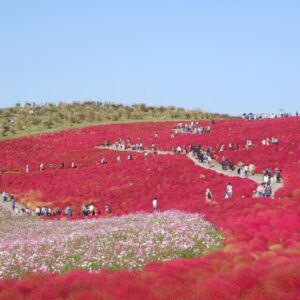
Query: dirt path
x=217, y=167
x=257, y=178
x=160, y=152
x=7, y=208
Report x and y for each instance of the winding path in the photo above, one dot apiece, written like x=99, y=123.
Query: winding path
x=216, y=166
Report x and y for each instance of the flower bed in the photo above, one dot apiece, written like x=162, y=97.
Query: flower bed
x=31, y=245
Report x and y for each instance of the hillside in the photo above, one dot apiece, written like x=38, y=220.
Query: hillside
x=259, y=257
x=33, y=118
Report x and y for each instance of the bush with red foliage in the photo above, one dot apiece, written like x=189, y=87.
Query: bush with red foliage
x=127, y=186
x=261, y=255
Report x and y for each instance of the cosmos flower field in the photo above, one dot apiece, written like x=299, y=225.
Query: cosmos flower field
x=31, y=245
x=249, y=247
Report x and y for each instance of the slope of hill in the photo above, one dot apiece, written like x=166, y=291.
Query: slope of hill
x=261, y=254
x=32, y=118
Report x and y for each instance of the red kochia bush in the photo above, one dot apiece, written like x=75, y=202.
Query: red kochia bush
x=261, y=255
x=266, y=280
x=127, y=186
x=79, y=145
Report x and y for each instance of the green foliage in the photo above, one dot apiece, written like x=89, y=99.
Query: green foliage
x=34, y=118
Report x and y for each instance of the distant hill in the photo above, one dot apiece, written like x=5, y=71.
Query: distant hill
x=32, y=118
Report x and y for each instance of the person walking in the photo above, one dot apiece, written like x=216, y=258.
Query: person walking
x=223, y=163
x=154, y=204
x=107, y=208
x=208, y=196
x=91, y=209
x=84, y=210
x=4, y=197
x=268, y=190
x=229, y=191
x=68, y=211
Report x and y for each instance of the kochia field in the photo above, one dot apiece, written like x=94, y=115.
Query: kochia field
x=260, y=255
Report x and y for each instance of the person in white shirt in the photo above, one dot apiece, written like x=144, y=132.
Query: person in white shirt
x=37, y=211
x=154, y=204
x=229, y=191
x=266, y=179
x=91, y=209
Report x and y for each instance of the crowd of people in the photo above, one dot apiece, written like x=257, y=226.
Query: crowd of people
x=203, y=154
x=194, y=127
x=241, y=168
x=121, y=144
x=264, y=189
x=45, y=211
x=261, y=116
x=89, y=209
x=127, y=144
x=209, y=150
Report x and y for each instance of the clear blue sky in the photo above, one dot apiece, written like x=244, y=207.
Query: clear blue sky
x=221, y=56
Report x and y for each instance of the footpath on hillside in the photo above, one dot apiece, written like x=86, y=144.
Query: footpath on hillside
x=6, y=206
x=215, y=166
